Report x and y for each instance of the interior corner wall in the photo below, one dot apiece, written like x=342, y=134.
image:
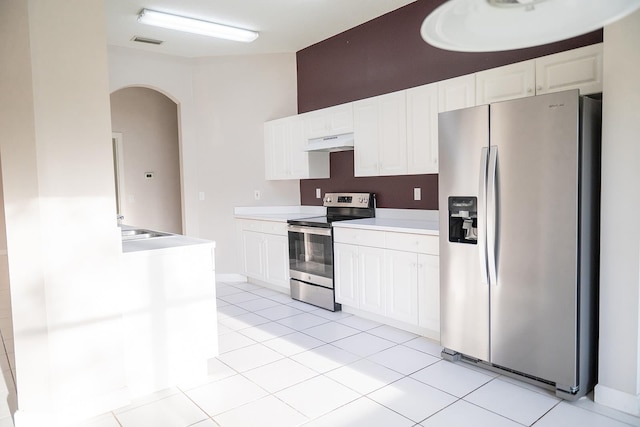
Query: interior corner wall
x=235, y=95
x=223, y=103
x=619, y=351
x=388, y=54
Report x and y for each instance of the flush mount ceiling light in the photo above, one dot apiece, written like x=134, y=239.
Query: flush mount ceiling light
x=196, y=26
x=495, y=25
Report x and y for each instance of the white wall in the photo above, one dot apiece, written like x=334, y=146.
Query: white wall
x=148, y=122
x=63, y=243
x=223, y=103
x=234, y=96
x=619, y=371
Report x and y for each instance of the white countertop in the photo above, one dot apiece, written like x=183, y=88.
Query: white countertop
x=398, y=225
x=161, y=242
x=279, y=213
x=398, y=220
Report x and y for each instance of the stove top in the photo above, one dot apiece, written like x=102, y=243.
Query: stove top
x=341, y=207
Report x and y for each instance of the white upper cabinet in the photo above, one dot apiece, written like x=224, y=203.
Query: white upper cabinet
x=574, y=69
x=422, y=129
x=285, y=158
x=456, y=93
x=329, y=121
x=503, y=83
x=380, y=135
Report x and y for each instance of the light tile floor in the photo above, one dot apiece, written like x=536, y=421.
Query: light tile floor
x=285, y=363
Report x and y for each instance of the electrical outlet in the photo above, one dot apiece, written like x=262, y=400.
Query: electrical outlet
x=256, y=194
x=318, y=193
x=417, y=193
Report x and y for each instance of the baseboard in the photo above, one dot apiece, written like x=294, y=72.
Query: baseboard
x=230, y=277
x=618, y=400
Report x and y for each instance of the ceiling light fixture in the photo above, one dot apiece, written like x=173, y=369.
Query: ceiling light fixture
x=496, y=25
x=195, y=26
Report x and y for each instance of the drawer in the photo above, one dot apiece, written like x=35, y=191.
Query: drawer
x=274, y=227
x=412, y=243
x=359, y=237
x=251, y=225
x=268, y=227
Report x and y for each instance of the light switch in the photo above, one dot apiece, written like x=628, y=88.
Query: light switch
x=417, y=193
x=201, y=196
x=318, y=193
x=256, y=194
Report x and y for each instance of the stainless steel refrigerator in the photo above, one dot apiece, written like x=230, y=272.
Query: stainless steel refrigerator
x=519, y=224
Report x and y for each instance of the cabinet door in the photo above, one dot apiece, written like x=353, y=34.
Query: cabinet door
x=392, y=131
x=329, y=121
x=370, y=279
x=296, y=143
x=574, y=69
x=276, y=149
x=429, y=292
x=401, y=279
x=345, y=261
x=253, y=251
x=504, y=83
x=456, y=93
x=422, y=129
x=277, y=260
x=366, y=137
x=340, y=119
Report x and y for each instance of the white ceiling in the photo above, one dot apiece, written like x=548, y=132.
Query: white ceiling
x=284, y=25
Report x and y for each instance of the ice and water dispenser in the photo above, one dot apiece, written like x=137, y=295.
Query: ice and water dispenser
x=463, y=220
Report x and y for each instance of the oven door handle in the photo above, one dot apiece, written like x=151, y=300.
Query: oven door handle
x=310, y=230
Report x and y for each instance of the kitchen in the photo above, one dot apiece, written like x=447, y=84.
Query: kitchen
x=233, y=79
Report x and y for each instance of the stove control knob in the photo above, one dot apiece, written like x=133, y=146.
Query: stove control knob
x=327, y=199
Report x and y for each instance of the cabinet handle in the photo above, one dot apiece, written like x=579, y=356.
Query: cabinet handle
x=529, y=90
x=539, y=88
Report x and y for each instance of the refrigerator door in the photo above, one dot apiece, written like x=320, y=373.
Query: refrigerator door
x=464, y=292
x=534, y=301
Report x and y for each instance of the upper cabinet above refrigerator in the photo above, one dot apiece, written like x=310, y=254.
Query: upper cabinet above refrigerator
x=573, y=69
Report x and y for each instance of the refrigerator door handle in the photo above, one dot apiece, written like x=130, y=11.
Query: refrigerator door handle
x=482, y=216
x=492, y=208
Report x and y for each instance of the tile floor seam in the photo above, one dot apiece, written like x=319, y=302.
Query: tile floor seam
x=253, y=401
x=209, y=416
x=494, y=412
x=441, y=409
x=545, y=414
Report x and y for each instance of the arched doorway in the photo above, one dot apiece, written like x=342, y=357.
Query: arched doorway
x=147, y=158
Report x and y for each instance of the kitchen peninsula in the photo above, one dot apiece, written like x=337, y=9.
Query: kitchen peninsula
x=169, y=309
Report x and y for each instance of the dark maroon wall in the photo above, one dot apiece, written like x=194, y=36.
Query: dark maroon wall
x=385, y=55
x=391, y=192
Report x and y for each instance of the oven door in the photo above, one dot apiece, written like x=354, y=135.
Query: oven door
x=311, y=255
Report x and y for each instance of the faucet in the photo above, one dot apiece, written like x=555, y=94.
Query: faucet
x=120, y=218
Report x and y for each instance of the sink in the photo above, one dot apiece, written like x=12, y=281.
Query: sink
x=141, y=233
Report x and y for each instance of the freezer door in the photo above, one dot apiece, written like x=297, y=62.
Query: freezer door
x=534, y=302
x=464, y=292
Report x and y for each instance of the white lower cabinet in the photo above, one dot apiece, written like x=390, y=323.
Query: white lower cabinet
x=391, y=275
x=345, y=262
x=370, y=281
x=265, y=252
x=429, y=291
x=401, y=276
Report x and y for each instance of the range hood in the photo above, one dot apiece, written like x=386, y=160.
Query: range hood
x=341, y=142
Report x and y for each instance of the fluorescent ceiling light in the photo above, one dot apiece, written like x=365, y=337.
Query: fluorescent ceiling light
x=496, y=25
x=196, y=26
